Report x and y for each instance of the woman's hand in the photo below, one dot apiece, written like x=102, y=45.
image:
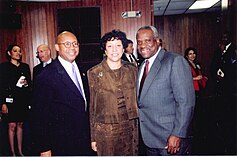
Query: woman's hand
x=94, y=146
x=199, y=77
x=4, y=109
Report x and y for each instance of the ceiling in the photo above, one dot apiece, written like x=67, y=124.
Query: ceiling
x=165, y=7
x=172, y=7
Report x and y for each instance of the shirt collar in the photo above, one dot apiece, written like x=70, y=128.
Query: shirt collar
x=67, y=65
x=48, y=62
x=152, y=59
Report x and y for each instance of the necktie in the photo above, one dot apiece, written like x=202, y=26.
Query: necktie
x=144, y=76
x=131, y=59
x=45, y=64
x=75, y=79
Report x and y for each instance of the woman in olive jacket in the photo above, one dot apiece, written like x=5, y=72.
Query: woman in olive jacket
x=113, y=107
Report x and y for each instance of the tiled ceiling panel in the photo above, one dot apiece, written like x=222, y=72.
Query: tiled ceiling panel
x=173, y=7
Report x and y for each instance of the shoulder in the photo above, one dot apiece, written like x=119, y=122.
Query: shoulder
x=96, y=68
x=171, y=56
x=129, y=65
x=25, y=65
x=4, y=64
x=176, y=55
x=37, y=66
x=174, y=59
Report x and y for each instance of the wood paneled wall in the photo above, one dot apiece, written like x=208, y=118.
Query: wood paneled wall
x=201, y=31
x=39, y=23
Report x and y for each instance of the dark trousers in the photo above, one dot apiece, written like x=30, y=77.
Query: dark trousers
x=185, y=149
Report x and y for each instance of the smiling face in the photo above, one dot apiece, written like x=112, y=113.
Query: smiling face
x=67, y=46
x=147, y=45
x=15, y=53
x=114, y=50
x=191, y=55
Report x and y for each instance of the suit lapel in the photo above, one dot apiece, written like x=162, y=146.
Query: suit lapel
x=65, y=78
x=152, y=73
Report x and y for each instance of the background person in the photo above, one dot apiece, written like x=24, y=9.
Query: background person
x=199, y=81
x=59, y=110
x=15, y=92
x=165, y=96
x=113, y=107
x=223, y=76
x=44, y=55
x=128, y=53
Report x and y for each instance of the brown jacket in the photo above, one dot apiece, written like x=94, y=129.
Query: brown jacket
x=104, y=93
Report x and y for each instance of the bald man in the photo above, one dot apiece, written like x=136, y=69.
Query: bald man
x=44, y=55
x=60, y=119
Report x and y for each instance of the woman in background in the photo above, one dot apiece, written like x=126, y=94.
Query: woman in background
x=198, y=79
x=113, y=107
x=15, y=90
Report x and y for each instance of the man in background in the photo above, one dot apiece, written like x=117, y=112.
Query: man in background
x=129, y=56
x=44, y=55
x=223, y=76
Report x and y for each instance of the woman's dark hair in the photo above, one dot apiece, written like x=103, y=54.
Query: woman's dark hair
x=187, y=51
x=110, y=36
x=9, y=48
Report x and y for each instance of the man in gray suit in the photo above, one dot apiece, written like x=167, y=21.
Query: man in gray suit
x=166, y=99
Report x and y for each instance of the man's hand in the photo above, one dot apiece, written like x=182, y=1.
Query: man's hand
x=48, y=153
x=173, y=144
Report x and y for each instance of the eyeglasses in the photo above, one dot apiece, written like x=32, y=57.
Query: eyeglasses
x=68, y=44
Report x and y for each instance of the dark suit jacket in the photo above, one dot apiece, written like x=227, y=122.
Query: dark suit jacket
x=138, y=61
x=225, y=63
x=37, y=69
x=60, y=122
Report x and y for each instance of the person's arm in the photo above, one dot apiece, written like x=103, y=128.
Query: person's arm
x=91, y=109
x=197, y=78
x=182, y=85
x=41, y=115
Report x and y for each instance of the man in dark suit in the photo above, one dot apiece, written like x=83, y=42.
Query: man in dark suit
x=60, y=119
x=129, y=56
x=222, y=63
x=223, y=77
x=44, y=55
x=166, y=96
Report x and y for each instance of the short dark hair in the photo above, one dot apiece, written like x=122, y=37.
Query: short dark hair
x=9, y=48
x=129, y=41
x=110, y=36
